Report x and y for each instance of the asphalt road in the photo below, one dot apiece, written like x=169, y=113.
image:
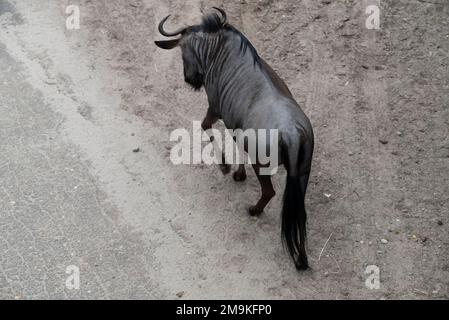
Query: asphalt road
x=53, y=214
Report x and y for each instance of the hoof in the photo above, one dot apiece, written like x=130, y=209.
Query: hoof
x=225, y=168
x=254, y=212
x=239, y=176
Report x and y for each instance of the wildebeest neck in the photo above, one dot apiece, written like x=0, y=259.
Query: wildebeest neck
x=234, y=72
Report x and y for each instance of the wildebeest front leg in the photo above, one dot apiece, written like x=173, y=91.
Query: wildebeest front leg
x=267, y=192
x=207, y=123
x=240, y=174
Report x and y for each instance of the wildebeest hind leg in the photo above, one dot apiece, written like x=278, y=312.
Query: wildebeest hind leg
x=267, y=192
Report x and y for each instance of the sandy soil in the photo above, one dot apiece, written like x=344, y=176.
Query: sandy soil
x=140, y=227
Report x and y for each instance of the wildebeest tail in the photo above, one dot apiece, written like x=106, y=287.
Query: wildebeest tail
x=294, y=216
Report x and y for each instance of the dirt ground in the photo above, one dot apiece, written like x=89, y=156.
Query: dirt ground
x=75, y=103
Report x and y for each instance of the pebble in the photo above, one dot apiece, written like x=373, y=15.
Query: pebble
x=383, y=141
x=440, y=223
x=180, y=294
x=136, y=150
x=384, y=241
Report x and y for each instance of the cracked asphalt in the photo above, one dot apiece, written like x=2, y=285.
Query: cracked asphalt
x=53, y=214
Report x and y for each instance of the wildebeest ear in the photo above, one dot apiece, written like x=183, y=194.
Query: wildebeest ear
x=167, y=44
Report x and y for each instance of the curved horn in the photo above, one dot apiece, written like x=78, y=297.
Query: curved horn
x=168, y=34
x=224, y=18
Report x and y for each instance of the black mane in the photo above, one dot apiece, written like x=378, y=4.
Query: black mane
x=213, y=23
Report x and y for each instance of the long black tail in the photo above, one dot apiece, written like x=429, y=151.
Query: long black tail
x=294, y=217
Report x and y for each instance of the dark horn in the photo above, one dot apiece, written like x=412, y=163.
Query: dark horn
x=223, y=15
x=165, y=33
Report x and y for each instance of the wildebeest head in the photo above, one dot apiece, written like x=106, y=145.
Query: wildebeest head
x=193, y=58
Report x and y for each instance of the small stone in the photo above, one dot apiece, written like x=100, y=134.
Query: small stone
x=440, y=223
x=136, y=150
x=383, y=141
x=180, y=294
x=399, y=133
x=350, y=153
x=384, y=241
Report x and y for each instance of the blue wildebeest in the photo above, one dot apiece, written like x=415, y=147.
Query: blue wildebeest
x=244, y=91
